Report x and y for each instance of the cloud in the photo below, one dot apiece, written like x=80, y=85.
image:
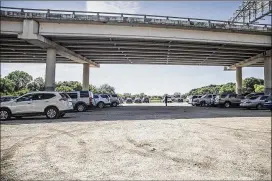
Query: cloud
x=113, y=6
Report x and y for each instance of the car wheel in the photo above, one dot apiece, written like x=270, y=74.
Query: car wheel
x=227, y=104
x=5, y=114
x=81, y=108
x=100, y=105
x=52, y=113
x=259, y=106
x=114, y=104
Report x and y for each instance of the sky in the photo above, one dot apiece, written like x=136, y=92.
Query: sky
x=149, y=79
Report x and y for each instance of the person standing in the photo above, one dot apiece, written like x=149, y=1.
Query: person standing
x=165, y=99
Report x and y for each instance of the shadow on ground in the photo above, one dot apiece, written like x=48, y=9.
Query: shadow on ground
x=146, y=112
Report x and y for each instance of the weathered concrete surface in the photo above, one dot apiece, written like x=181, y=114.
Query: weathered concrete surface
x=140, y=143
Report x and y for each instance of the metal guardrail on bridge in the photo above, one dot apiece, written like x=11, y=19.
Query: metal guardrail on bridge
x=46, y=14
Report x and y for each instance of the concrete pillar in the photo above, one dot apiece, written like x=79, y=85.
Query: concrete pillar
x=50, y=70
x=239, y=80
x=86, y=73
x=267, y=75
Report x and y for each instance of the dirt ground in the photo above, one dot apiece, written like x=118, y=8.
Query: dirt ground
x=145, y=142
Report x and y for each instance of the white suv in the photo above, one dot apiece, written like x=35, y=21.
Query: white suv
x=81, y=100
x=51, y=104
x=101, y=100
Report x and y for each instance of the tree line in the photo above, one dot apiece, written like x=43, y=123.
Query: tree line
x=20, y=82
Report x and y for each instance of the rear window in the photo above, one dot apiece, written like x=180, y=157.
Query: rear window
x=263, y=97
x=253, y=97
x=194, y=97
x=96, y=96
x=223, y=96
x=84, y=94
x=104, y=96
x=73, y=95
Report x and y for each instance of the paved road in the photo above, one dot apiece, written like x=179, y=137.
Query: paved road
x=140, y=142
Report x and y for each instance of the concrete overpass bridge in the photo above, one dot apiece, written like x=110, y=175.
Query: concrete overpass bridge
x=94, y=38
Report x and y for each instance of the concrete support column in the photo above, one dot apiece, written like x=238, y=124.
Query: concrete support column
x=86, y=73
x=50, y=70
x=239, y=80
x=267, y=75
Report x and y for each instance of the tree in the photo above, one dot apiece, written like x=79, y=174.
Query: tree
x=127, y=95
x=106, y=89
x=64, y=88
x=177, y=94
x=74, y=85
x=259, y=88
x=142, y=95
x=36, y=85
x=93, y=89
x=6, y=86
x=20, y=79
x=227, y=88
x=248, y=83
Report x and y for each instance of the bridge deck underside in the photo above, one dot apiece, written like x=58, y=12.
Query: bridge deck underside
x=131, y=51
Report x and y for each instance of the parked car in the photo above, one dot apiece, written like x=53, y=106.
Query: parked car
x=137, y=100
x=254, y=102
x=129, y=101
x=268, y=103
x=254, y=94
x=114, y=100
x=51, y=104
x=191, y=98
x=81, y=100
x=145, y=100
x=205, y=100
x=7, y=98
x=101, y=100
x=228, y=100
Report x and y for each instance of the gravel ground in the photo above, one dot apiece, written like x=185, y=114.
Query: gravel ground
x=140, y=142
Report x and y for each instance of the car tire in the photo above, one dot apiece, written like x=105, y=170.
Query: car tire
x=202, y=104
x=114, y=104
x=227, y=104
x=62, y=115
x=259, y=107
x=5, y=114
x=101, y=105
x=52, y=112
x=81, y=107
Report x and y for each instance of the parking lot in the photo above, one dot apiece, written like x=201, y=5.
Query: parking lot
x=140, y=142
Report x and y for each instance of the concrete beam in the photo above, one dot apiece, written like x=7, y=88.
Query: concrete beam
x=258, y=58
x=30, y=34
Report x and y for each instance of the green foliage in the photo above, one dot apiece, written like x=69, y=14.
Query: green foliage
x=36, y=85
x=21, y=92
x=248, y=83
x=20, y=79
x=64, y=88
x=6, y=86
x=106, y=89
x=93, y=89
x=227, y=88
x=74, y=85
x=259, y=88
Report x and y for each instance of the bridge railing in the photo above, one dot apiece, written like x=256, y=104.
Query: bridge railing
x=27, y=13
